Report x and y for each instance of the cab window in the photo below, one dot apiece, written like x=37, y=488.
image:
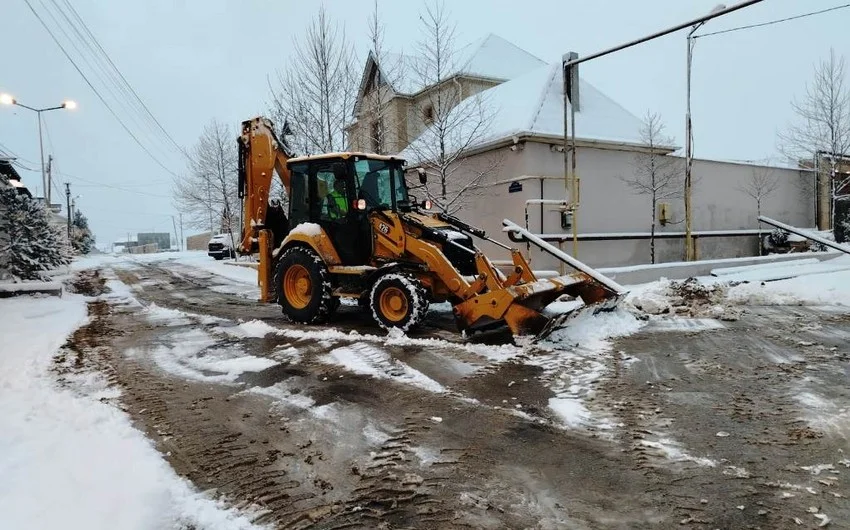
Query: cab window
x=332, y=203
x=299, y=206
x=374, y=179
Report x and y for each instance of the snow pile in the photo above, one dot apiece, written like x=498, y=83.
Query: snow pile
x=71, y=461
x=368, y=360
x=818, y=289
x=592, y=332
x=650, y=298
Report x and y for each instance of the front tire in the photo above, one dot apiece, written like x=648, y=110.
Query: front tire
x=303, y=286
x=398, y=301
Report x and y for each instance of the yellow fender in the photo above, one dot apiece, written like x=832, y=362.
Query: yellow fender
x=314, y=237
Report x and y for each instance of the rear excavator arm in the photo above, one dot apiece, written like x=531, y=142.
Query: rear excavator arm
x=260, y=154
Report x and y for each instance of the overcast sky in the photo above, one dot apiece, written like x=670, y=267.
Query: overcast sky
x=194, y=60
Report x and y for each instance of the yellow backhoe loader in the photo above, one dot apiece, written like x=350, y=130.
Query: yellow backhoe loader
x=352, y=230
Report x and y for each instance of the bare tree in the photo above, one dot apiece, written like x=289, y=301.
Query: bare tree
x=315, y=94
x=454, y=124
x=655, y=173
x=761, y=185
x=207, y=196
x=822, y=129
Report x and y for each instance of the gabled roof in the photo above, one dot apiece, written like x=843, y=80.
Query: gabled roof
x=490, y=57
x=533, y=104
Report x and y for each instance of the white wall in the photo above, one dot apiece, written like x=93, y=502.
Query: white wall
x=608, y=204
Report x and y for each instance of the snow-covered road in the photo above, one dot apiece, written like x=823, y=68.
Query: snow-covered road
x=179, y=380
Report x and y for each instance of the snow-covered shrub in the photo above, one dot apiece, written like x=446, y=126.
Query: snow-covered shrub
x=82, y=239
x=777, y=237
x=29, y=244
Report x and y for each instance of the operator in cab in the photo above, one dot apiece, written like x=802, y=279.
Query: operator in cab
x=337, y=202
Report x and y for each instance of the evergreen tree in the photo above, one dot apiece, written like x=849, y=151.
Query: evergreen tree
x=29, y=245
x=82, y=240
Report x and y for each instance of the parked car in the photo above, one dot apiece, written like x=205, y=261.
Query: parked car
x=220, y=247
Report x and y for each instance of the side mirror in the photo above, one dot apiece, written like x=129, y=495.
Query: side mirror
x=423, y=177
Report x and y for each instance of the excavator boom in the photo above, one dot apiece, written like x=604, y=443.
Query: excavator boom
x=260, y=155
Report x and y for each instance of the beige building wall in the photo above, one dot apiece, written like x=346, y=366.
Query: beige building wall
x=404, y=116
x=198, y=241
x=608, y=204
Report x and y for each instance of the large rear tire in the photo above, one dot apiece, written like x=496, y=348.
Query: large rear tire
x=398, y=301
x=303, y=287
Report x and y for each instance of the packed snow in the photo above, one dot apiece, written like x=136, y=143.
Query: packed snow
x=368, y=360
x=817, y=289
x=69, y=460
x=197, y=355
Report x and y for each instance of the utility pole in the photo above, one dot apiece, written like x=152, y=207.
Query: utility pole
x=571, y=105
x=49, y=177
x=182, y=241
x=68, y=207
x=174, y=225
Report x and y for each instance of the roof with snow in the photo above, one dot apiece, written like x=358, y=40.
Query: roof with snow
x=533, y=105
x=490, y=57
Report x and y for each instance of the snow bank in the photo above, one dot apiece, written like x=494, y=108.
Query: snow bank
x=817, y=289
x=69, y=461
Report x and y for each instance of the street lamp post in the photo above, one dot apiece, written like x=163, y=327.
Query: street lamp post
x=7, y=99
x=690, y=253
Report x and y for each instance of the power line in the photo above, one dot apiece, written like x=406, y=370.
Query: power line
x=94, y=183
x=769, y=23
x=99, y=96
x=126, y=83
x=102, y=77
x=107, y=78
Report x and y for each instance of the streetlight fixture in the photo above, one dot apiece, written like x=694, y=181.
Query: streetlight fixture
x=690, y=254
x=7, y=99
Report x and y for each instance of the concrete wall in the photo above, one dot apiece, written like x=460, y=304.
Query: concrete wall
x=608, y=204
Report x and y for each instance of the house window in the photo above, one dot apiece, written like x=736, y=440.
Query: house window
x=377, y=136
x=428, y=114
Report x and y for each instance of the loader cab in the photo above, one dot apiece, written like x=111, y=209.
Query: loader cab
x=338, y=191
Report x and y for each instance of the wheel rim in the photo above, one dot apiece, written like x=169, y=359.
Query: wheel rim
x=393, y=304
x=297, y=286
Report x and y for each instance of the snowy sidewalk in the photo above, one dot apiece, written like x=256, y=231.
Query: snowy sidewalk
x=68, y=460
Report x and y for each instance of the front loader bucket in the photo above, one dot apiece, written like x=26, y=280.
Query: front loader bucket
x=521, y=306
x=524, y=315
x=562, y=320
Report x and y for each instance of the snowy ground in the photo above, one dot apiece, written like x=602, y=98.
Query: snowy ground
x=70, y=459
x=698, y=378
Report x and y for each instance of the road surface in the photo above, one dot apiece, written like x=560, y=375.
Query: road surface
x=686, y=423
